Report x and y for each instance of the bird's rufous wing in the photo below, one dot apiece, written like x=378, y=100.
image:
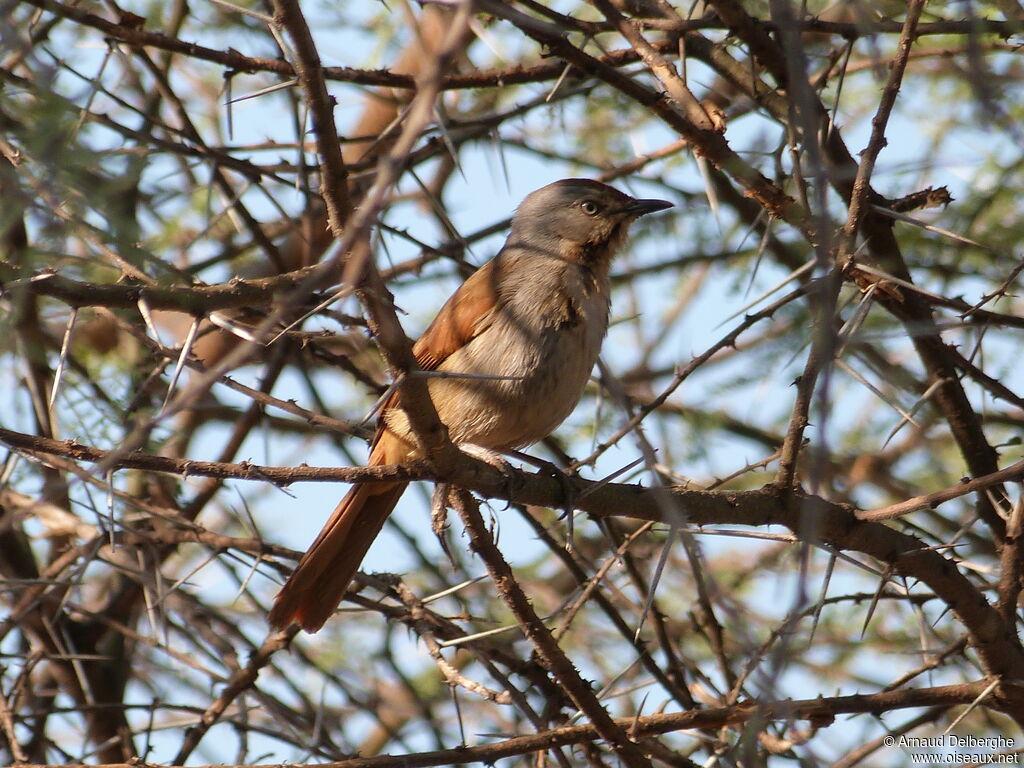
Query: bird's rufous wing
x=465, y=315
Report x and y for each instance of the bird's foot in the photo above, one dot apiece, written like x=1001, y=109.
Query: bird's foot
x=499, y=462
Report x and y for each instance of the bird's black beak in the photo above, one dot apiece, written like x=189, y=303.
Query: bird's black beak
x=643, y=207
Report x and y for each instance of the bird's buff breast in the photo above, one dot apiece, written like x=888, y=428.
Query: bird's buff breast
x=515, y=382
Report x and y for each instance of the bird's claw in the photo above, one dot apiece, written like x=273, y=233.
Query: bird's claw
x=496, y=460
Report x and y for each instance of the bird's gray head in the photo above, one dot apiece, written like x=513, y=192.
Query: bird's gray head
x=579, y=219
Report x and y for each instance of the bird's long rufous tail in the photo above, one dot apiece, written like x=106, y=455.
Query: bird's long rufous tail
x=318, y=583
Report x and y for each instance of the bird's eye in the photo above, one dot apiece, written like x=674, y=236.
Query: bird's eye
x=589, y=207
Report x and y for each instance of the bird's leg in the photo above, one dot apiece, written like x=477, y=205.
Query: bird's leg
x=487, y=456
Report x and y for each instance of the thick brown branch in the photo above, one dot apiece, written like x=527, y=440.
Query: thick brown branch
x=333, y=175
x=280, y=476
x=193, y=299
x=822, y=711
x=235, y=61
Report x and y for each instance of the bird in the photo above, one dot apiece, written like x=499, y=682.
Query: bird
x=517, y=341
